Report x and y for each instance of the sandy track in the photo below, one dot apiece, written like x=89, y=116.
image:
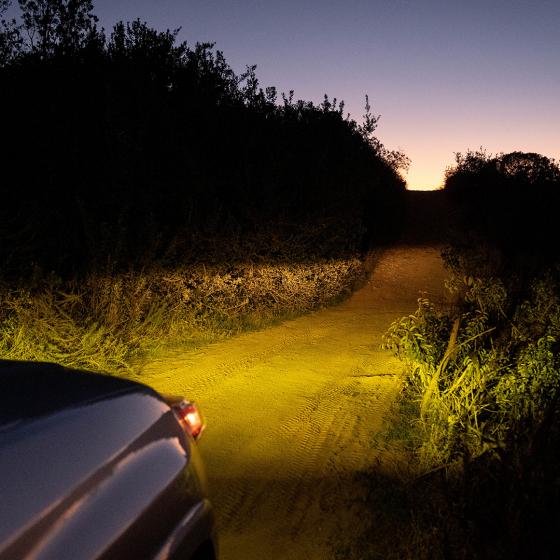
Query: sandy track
x=291, y=411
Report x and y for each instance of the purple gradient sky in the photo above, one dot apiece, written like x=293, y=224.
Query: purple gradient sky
x=445, y=76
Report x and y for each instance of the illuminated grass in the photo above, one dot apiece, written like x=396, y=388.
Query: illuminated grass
x=484, y=376
x=110, y=322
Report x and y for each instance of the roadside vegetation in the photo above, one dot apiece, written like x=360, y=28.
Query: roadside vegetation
x=152, y=196
x=479, y=414
x=112, y=322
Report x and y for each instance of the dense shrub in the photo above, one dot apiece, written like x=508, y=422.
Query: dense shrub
x=509, y=204
x=113, y=322
x=485, y=374
x=129, y=149
x=479, y=410
x=151, y=196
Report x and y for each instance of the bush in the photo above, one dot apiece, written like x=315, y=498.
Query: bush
x=485, y=374
x=110, y=322
x=507, y=203
x=133, y=149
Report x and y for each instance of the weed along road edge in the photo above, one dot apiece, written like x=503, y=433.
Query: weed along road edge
x=292, y=411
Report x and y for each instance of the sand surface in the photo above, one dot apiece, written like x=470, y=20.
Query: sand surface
x=292, y=411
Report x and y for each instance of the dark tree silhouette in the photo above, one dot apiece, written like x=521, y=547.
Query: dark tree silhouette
x=52, y=27
x=11, y=42
x=510, y=201
x=135, y=148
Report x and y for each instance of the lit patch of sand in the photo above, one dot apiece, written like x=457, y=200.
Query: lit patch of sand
x=291, y=411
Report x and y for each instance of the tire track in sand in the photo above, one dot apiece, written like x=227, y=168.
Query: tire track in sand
x=291, y=411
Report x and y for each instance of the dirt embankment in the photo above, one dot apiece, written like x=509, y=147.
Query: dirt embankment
x=292, y=410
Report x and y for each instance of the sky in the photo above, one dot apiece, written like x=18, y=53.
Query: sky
x=445, y=75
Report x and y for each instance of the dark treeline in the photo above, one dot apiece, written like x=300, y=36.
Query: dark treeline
x=507, y=203
x=129, y=149
x=498, y=411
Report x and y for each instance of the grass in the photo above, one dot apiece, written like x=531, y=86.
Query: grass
x=408, y=512
x=478, y=426
x=113, y=322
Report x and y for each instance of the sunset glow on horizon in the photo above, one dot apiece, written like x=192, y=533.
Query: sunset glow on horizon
x=445, y=76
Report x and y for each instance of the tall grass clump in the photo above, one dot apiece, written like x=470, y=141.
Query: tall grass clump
x=485, y=376
x=111, y=322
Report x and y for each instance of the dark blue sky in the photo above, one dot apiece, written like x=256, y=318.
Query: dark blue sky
x=445, y=75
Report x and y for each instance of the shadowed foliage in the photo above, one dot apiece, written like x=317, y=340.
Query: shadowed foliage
x=480, y=404
x=130, y=149
x=480, y=413
x=509, y=204
x=152, y=196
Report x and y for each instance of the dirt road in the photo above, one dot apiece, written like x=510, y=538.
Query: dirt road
x=291, y=411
